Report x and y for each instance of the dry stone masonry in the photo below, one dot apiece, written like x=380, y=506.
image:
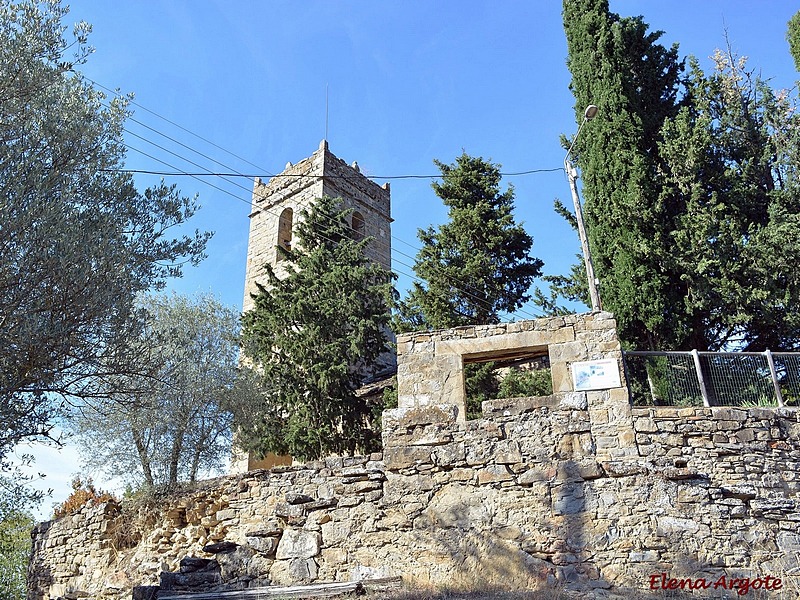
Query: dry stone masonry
x=575, y=490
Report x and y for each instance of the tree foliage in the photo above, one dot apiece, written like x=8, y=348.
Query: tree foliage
x=476, y=265
x=82, y=493
x=523, y=383
x=793, y=37
x=78, y=242
x=619, y=66
x=315, y=336
x=177, y=424
x=731, y=156
x=690, y=187
x=15, y=549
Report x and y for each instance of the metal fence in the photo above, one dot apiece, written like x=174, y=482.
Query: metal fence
x=713, y=378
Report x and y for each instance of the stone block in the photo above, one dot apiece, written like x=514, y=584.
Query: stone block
x=478, y=452
x=562, y=380
x=220, y=547
x=406, y=456
x=189, y=564
x=645, y=556
x=224, y=515
x=263, y=545
x=235, y=564
x=303, y=570
x=573, y=400
x=494, y=474
x=742, y=492
x=298, y=543
x=449, y=454
x=568, y=499
x=508, y=407
x=623, y=468
x=297, y=498
x=589, y=469
x=430, y=435
x=270, y=528
x=644, y=424
x=507, y=452
x=419, y=415
x=729, y=414
x=535, y=475
x=459, y=507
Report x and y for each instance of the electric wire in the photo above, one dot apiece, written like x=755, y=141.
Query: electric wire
x=173, y=123
x=301, y=175
x=236, y=173
x=329, y=217
x=416, y=278
x=463, y=289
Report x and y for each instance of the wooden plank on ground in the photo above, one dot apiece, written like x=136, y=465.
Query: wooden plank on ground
x=317, y=590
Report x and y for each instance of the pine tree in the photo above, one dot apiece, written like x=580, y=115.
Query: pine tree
x=476, y=265
x=315, y=337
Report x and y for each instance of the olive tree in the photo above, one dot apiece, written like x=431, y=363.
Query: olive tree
x=175, y=426
x=78, y=241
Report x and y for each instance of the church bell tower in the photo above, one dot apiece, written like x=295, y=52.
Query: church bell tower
x=277, y=205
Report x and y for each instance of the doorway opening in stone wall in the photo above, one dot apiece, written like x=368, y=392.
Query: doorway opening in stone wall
x=517, y=374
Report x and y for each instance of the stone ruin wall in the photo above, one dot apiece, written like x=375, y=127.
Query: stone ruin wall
x=576, y=489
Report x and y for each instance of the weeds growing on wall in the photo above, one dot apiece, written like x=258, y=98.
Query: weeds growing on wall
x=82, y=493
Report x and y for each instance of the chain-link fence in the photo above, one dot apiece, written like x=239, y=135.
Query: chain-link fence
x=713, y=378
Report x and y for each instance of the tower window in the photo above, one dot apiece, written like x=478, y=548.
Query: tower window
x=359, y=226
x=285, y=231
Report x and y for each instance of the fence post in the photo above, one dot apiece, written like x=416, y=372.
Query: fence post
x=701, y=381
x=774, y=375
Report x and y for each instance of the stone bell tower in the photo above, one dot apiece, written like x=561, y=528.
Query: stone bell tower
x=277, y=205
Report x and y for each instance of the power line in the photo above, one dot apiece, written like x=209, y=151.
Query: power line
x=198, y=175
x=208, y=173
x=464, y=291
x=174, y=124
x=301, y=175
x=236, y=173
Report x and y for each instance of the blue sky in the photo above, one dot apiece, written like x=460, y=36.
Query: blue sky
x=407, y=82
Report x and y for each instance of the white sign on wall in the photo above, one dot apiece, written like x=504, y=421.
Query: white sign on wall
x=595, y=375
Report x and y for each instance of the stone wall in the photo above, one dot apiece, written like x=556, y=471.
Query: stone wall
x=430, y=367
x=534, y=494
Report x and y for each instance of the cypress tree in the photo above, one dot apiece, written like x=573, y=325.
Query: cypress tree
x=315, y=336
x=619, y=66
x=691, y=190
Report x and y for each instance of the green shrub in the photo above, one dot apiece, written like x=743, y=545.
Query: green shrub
x=523, y=383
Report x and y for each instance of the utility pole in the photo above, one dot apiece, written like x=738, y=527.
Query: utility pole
x=572, y=175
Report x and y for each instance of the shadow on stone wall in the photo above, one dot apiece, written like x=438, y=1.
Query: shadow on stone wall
x=497, y=536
